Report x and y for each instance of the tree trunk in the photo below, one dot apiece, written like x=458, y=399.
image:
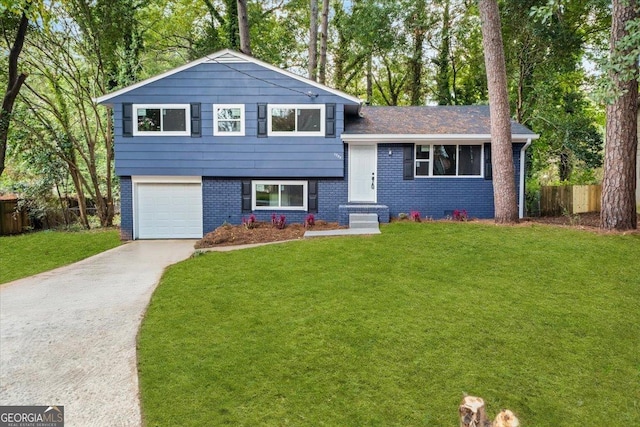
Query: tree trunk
x=82, y=200
x=243, y=24
x=369, y=79
x=324, y=31
x=504, y=187
x=340, y=57
x=14, y=84
x=313, y=41
x=233, y=30
x=619, y=180
x=443, y=76
x=416, y=61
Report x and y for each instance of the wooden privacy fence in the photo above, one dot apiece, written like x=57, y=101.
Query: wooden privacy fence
x=12, y=219
x=569, y=199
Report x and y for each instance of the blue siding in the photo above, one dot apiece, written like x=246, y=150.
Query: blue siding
x=224, y=161
x=222, y=203
x=434, y=197
x=228, y=156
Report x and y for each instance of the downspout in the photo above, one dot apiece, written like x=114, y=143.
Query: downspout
x=522, y=175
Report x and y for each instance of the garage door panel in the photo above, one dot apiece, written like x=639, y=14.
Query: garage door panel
x=169, y=210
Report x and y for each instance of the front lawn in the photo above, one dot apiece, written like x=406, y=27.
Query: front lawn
x=27, y=254
x=393, y=329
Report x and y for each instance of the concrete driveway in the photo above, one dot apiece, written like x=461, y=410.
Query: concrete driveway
x=68, y=336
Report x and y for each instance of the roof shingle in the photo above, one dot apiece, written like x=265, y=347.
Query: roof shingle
x=429, y=120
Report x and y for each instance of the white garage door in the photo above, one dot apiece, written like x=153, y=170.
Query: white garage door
x=169, y=211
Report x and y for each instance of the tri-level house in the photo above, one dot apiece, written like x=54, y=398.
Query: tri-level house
x=228, y=136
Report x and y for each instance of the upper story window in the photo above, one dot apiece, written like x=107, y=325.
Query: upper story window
x=299, y=120
x=228, y=119
x=448, y=160
x=162, y=119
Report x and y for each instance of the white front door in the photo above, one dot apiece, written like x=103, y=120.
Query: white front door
x=362, y=173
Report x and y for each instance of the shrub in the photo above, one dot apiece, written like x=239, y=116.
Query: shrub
x=415, y=216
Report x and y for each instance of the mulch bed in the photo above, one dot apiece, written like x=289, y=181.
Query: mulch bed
x=261, y=232
x=265, y=232
x=585, y=221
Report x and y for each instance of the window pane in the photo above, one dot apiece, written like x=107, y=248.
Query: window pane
x=148, y=119
x=175, y=120
x=444, y=159
x=422, y=168
x=309, y=120
x=469, y=159
x=292, y=195
x=283, y=120
x=229, y=113
x=267, y=195
x=422, y=151
x=228, y=126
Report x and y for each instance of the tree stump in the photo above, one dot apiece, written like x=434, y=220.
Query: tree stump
x=472, y=412
x=506, y=418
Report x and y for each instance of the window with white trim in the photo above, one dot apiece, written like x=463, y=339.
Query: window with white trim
x=298, y=120
x=448, y=160
x=281, y=195
x=228, y=119
x=162, y=119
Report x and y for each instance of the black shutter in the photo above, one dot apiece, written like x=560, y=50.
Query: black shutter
x=407, y=161
x=246, y=196
x=330, y=121
x=127, y=120
x=312, y=204
x=488, y=170
x=262, y=120
x=196, y=121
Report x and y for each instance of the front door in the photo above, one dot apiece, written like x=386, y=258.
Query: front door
x=362, y=173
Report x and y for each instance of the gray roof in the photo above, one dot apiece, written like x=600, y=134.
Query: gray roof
x=431, y=120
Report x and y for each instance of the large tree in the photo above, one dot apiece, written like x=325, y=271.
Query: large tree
x=504, y=188
x=15, y=78
x=619, y=181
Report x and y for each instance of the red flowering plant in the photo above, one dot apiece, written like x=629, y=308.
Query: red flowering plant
x=249, y=223
x=278, y=222
x=460, y=215
x=309, y=221
x=415, y=216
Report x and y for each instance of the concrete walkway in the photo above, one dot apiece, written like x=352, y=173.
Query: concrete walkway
x=68, y=336
x=342, y=232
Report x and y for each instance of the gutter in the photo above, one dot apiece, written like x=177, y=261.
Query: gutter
x=522, y=174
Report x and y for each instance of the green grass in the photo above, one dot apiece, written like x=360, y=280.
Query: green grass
x=27, y=254
x=391, y=330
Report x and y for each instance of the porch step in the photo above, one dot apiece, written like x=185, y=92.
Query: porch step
x=363, y=220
